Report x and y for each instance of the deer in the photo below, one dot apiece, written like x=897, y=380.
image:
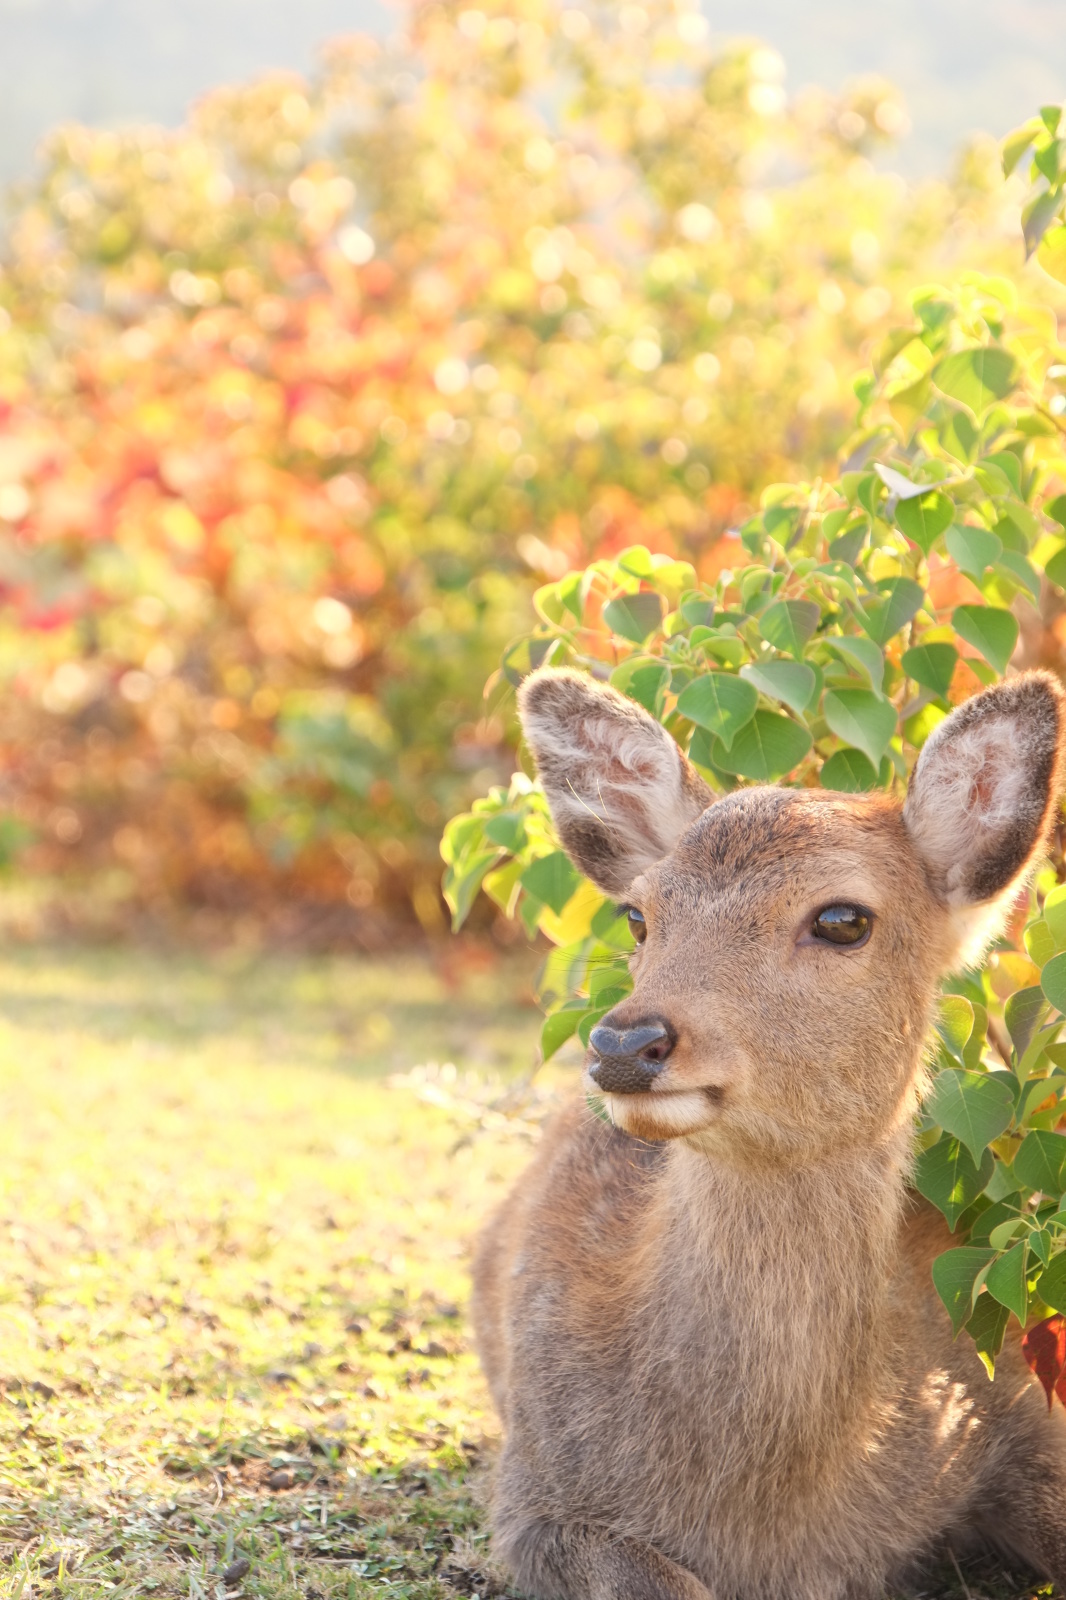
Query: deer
x=709, y=1325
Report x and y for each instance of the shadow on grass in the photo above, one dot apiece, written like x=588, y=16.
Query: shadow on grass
x=365, y=1016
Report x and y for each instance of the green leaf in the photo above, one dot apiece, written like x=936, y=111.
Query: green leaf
x=869, y=492
x=1008, y=1209
x=765, y=749
x=642, y=679
x=559, y=1027
x=520, y=659
x=910, y=404
x=610, y=996
x=1005, y=1280
x=1008, y=463
x=990, y=629
x=611, y=977
x=502, y=885
x=507, y=829
x=1022, y=521
x=1053, y=982
x=848, y=546
x=1036, y=1091
x=697, y=610
x=971, y=1054
x=572, y=594
x=1021, y=570
x=849, y=772
x=1040, y=1244
x=530, y=910
x=861, y=718
x=1017, y=143
x=974, y=1106
x=1041, y=1162
x=959, y=436
x=1000, y=1184
x=1055, y=567
x=931, y=665
x=1055, y=914
x=976, y=378
x=973, y=550
x=727, y=650
x=924, y=520
x=1052, y=1285
x=1040, y=943
x=891, y=346
x=947, y=1175
x=791, y=682
x=861, y=653
x=1002, y=1236
x=552, y=879
x=634, y=616
x=788, y=624
x=463, y=834
x=1038, y=216
x=986, y=1328
x=895, y=604
x=955, y=1025
x=1021, y=1014
x=719, y=702
x=463, y=880
x=916, y=729
x=955, y=1273
x=609, y=925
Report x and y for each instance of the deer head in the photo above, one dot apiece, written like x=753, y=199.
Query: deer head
x=789, y=941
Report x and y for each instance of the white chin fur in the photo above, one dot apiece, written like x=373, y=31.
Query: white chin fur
x=671, y=1115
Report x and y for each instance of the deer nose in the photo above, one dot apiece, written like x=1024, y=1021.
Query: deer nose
x=630, y=1059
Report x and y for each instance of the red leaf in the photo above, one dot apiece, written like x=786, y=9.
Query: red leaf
x=1044, y=1347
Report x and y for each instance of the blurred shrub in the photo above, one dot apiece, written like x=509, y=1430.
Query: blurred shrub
x=300, y=402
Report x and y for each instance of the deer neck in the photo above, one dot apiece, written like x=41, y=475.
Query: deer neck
x=787, y=1298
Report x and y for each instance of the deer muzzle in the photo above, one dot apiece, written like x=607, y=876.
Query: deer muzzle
x=629, y=1060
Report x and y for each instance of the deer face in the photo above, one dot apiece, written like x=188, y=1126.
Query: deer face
x=789, y=942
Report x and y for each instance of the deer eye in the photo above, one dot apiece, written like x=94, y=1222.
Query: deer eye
x=637, y=926
x=842, y=925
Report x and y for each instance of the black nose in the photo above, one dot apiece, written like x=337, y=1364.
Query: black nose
x=630, y=1059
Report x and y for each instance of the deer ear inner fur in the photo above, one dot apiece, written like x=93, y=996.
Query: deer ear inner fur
x=621, y=792
x=983, y=794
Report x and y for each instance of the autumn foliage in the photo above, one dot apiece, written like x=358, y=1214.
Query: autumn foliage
x=300, y=403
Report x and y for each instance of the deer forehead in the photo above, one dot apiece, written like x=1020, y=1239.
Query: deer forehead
x=764, y=846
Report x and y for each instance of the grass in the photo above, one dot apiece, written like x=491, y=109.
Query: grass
x=233, y=1256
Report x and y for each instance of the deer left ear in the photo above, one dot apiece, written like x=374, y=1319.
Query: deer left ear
x=983, y=794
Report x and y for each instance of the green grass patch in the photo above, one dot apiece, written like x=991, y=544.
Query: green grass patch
x=236, y=1207
x=233, y=1264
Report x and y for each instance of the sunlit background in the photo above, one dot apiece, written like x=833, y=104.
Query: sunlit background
x=324, y=346
x=962, y=65
x=332, y=336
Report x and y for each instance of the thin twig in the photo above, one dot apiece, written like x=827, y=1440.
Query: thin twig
x=958, y=1570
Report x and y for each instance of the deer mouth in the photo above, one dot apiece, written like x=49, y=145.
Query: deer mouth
x=659, y=1114
x=714, y=1093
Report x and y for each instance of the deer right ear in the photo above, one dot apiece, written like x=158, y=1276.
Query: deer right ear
x=620, y=791
x=983, y=794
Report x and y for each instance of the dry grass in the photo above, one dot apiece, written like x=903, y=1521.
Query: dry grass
x=233, y=1267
